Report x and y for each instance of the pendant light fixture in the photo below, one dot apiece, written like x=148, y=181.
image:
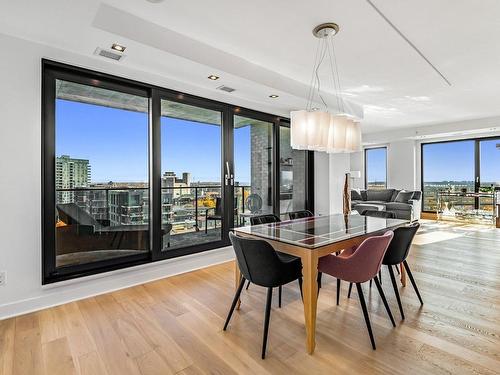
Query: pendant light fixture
x=319, y=129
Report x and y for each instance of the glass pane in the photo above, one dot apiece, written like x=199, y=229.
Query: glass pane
x=448, y=167
x=102, y=190
x=489, y=170
x=292, y=175
x=253, y=150
x=191, y=175
x=376, y=168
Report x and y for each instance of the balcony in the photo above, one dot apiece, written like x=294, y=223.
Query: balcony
x=99, y=223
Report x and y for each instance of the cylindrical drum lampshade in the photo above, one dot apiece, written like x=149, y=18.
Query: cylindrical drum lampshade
x=322, y=131
x=298, y=130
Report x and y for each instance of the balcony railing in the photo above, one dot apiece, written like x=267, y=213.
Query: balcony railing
x=185, y=208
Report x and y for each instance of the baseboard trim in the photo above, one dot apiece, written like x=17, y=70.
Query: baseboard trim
x=74, y=290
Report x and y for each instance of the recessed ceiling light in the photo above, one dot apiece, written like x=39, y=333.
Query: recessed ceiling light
x=118, y=47
x=274, y=96
x=213, y=77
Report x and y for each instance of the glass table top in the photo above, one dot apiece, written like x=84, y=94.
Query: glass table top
x=314, y=232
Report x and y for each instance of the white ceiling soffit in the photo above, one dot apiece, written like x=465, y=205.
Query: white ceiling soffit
x=127, y=25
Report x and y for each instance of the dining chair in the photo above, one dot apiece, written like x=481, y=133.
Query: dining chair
x=266, y=219
x=381, y=214
x=263, y=266
x=358, y=265
x=300, y=214
x=216, y=216
x=397, y=253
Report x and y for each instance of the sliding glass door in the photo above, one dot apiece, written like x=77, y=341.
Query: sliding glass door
x=191, y=178
x=134, y=173
x=292, y=174
x=253, y=168
x=489, y=170
x=460, y=166
x=447, y=166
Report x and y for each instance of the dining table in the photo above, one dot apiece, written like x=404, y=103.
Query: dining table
x=310, y=239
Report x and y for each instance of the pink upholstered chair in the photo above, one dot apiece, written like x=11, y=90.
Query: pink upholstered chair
x=359, y=265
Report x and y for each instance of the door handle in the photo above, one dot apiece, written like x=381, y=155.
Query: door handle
x=229, y=177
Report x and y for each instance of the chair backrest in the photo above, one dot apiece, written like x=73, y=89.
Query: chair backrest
x=264, y=219
x=257, y=260
x=218, y=206
x=300, y=214
x=365, y=262
x=401, y=243
x=381, y=214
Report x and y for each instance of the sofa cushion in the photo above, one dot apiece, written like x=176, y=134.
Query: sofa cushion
x=363, y=194
x=354, y=203
x=404, y=196
x=397, y=206
x=384, y=195
x=356, y=195
x=417, y=195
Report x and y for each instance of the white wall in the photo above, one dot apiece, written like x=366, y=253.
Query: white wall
x=329, y=175
x=401, y=158
x=321, y=183
x=357, y=164
x=20, y=187
x=339, y=166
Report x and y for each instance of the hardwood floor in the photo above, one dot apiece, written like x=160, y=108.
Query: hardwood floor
x=174, y=326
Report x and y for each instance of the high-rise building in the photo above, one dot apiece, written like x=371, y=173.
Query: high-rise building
x=71, y=173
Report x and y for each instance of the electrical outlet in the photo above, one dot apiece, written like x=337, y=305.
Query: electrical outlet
x=2, y=278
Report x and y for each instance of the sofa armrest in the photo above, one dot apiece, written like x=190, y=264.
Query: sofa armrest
x=416, y=208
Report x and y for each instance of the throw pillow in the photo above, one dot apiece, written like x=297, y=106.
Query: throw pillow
x=404, y=196
x=356, y=195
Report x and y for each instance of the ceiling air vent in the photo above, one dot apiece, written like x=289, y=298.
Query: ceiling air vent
x=225, y=88
x=109, y=54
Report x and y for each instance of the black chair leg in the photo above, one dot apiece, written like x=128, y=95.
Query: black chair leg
x=280, y=290
x=371, y=283
x=248, y=285
x=266, y=320
x=380, y=276
x=365, y=314
x=350, y=290
x=396, y=291
x=407, y=267
x=320, y=274
x=338, y=291
x=397, y=269
x=300, y=287
x=206, y=226
x=382, y=295
x=235, y=301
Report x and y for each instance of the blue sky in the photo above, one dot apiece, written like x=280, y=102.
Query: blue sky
x=116, y=143
x=455, y=161
x=376, y=164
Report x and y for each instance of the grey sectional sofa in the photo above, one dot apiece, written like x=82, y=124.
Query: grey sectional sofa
x=405, y=204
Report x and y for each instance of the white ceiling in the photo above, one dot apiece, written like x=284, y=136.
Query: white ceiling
x=262, y=47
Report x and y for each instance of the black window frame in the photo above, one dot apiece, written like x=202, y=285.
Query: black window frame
x=52, y=70
x=365, y=150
